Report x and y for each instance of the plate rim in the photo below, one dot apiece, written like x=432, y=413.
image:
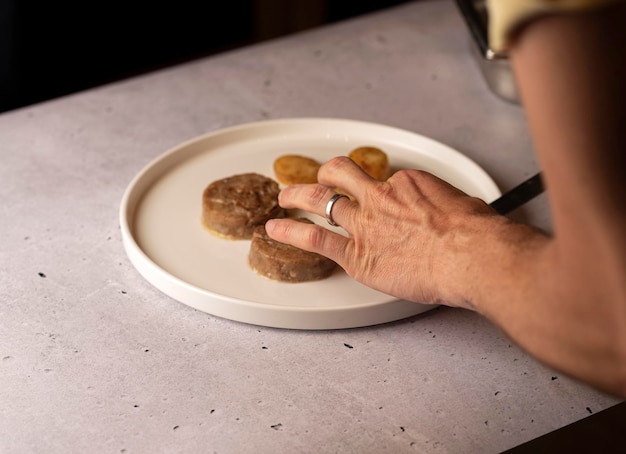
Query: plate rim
x=187, y=293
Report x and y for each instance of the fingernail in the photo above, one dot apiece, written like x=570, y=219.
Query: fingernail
x=270, y=225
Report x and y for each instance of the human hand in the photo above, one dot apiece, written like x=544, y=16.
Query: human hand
x=413, y=236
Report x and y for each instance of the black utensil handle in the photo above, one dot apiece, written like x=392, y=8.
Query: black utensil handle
x=519, y=195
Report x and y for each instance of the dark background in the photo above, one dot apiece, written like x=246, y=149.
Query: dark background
x=52, y=48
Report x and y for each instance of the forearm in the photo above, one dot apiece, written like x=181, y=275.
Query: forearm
x=570, y=310
x=566, y=316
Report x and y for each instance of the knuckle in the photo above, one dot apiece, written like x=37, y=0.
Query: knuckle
x=338, y=161
x=333, y=165
x=322, y=241
x=318, y=195
x=412, y=176
x=382, y=190
x=316, y=237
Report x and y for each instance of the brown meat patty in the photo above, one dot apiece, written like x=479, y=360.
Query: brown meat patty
x=283, y=262
x=232, y=207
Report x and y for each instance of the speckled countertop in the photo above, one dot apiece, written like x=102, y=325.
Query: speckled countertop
x=95, y=359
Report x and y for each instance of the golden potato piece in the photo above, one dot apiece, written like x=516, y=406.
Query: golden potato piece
x=292, y=169
x=373, y=160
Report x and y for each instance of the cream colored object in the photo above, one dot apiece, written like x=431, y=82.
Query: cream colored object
x=165, y=241
x=296, y=169
x=505, y=16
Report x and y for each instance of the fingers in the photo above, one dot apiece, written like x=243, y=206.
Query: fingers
x=343, y=173
x=339, y=173
x=310, y=237
x=315, y=198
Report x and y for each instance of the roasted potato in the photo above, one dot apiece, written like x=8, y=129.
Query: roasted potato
x=292, y=169
x=373, y=161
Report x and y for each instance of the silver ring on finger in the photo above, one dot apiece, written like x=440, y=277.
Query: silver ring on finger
x=329, y=208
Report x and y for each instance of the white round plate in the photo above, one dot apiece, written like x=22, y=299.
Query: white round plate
x=165, y=240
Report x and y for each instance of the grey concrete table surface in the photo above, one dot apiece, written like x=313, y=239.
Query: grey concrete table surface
x=95, y=359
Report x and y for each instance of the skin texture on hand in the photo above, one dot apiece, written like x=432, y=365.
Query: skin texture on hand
x=562, y=298
x=413, y=236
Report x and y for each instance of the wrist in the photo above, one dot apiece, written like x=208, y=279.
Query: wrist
x=494, y=257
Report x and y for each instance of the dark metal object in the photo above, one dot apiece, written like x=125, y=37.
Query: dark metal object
x=495, y=66
x=519, y=195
